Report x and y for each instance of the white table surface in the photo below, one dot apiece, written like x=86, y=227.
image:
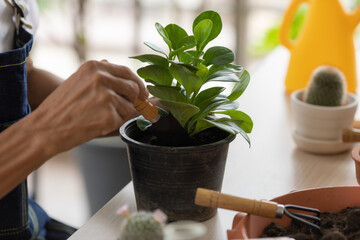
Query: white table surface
x=273, y=165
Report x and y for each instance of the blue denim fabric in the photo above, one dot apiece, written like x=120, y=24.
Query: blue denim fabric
x=20, y=217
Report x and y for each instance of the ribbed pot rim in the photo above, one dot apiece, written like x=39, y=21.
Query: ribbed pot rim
x=295, y=97
x=127, y=139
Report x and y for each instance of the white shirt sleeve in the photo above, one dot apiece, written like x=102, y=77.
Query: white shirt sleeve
x=7, y=21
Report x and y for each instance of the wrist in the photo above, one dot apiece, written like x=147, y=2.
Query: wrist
x=37, y=135
x=22, y=150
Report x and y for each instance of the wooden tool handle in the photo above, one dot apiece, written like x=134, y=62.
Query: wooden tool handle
x=148, y=110
x=210, y=198
x=356, y=124
x=351, y=135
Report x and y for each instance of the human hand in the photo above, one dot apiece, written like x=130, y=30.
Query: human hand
x=95, y=101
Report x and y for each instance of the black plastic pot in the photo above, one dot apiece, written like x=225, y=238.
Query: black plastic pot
x=166, y=178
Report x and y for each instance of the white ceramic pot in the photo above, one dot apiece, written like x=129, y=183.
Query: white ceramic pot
x=319, y=129
x=184, y=230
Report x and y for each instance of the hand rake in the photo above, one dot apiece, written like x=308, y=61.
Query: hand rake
x=210, y=198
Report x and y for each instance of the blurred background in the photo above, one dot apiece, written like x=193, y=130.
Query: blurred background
x=74, y=185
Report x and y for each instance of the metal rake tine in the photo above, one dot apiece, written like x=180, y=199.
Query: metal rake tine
x=306, y=216
x=306, y=209
x=295, y=217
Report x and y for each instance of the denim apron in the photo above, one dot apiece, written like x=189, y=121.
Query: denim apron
x=20, y=217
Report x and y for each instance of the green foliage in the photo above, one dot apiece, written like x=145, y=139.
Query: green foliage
x=270, y=39
x=179, y=78
x=44, y=4
x=326, y=88
x=142, y=226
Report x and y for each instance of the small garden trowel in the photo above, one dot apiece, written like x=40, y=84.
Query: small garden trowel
x=166, y=128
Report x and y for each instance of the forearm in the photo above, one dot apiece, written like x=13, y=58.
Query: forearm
x=96, y=100
x=21, y=152
x=40, y=84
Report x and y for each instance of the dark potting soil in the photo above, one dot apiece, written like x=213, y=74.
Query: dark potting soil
x=343, y=225
x=176, y=139
x=168, y=132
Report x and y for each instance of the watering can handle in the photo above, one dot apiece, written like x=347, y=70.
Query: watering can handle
x=209, y=198
x=284, y=34
x=355, y=17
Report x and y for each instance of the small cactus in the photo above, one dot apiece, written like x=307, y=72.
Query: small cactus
x=327, y=87
x=142, y=225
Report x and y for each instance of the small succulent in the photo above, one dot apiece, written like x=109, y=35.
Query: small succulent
x=142, y=225
x=327, y=87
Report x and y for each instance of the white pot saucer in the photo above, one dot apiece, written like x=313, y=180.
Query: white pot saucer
x=320, y=146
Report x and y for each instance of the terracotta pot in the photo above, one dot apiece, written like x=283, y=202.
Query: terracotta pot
x=330, y=199
x=319, y=129
x=356, y=157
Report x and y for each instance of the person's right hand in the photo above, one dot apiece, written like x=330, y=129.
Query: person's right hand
x=95, y=101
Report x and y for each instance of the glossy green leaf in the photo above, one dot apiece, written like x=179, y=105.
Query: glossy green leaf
x=227, y=106
x=208, y=94
x=143, y=123
x=188, y=40
x=180, y=50
x=215, y=19
x=195, y=60
x=218, y=55
x=247, y=123
x=186, y=78
x=185, y=57
x=181, y=111
x=175, y=35
x=227, y=125
x=224, y=78
x=240, y=87
x=155, y=48
x=192, y=68
x=201, y=125
x=217, y=70
x=151, y=81
x=211, y=104
x=162, y=112
x=156, y=73
x=202, y=32
x=167, y=93
x=235, y=125
x=153, y=59
x=163, y=33
x=192, y=53
x=202, y=71
x=206, y=108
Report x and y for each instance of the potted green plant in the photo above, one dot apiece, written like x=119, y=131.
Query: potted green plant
x=166, y=177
